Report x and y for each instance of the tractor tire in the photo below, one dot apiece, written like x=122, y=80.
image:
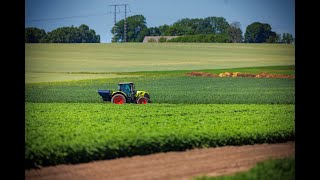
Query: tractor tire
x=146, y=95
x=142, y=100
x=118, y=99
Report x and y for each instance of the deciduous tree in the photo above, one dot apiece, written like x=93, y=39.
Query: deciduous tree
x=235, y=33
x=258, y=33
x=136, y=29
x=34, y=35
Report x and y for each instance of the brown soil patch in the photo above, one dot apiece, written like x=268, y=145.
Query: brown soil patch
x=171, y=165
x=201, y=74
x=266, y=75
x=238, y=74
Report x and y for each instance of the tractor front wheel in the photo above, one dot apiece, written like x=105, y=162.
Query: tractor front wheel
x=118, y=99
x=142, y=100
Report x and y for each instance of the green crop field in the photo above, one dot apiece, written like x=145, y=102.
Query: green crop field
x=66, y=121
x=62, y=61
x=76, y=132
x=179, y=89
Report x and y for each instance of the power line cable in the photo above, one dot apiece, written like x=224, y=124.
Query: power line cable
x=68, y=17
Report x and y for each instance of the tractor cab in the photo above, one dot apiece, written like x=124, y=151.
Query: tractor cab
x=127, y=88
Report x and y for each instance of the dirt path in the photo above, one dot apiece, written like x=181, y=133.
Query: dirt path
x=171, y=165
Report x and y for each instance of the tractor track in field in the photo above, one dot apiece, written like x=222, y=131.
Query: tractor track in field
x=171, y=165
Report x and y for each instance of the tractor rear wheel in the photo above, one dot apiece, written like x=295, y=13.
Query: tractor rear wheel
x=142, y=100
x=118, y=99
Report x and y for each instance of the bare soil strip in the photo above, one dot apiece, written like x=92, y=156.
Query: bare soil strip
x=172, y=165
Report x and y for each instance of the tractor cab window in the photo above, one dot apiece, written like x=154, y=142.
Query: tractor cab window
x=125, y=88
x=133, y=88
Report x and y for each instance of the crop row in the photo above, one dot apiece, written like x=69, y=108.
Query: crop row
x=174, y=90
x=80, y=132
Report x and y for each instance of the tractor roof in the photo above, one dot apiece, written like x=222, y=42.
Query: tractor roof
x=126, y=83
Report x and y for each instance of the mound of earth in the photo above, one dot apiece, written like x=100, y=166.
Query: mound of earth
x=266, y=75
x=201, y=74
x=238, y=74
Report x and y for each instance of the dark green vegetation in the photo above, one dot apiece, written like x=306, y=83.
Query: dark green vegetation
x=183, y=27
x=211, y=29
x=79, y=132
x=34, y=35
x=277, y=169
x=287, y=38
x=81, y=34
x=173, y=89
x=201, y=38
x=136, y=29
x=260, y=32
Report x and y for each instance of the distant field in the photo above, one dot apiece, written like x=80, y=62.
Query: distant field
x=62, y=58
x=36, y=77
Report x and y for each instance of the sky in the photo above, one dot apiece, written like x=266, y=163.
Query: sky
x=99, y=15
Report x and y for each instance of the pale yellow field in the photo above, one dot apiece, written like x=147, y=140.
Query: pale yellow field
x=53, y=62
x=34, y=77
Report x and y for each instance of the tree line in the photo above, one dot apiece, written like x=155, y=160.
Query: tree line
x=81, y=34
x=210, y=29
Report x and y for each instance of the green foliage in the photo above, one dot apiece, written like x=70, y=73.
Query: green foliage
x=274, y=38
x=258, y=33
x=80, y=132
x=287, y=38
x=175, y=90
x=162, y=39
x=62, y=35
x=283, y=169
x=136, y=29
x=81, y=34
x=154, y=31
x=186, y=26
x=151, y=40
x=202, y=38
x=34, y=35
x=163, y=30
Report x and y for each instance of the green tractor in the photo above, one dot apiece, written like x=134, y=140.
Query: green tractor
x=125, y=94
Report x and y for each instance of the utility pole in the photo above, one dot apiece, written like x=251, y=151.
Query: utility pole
x=125, y=19
x=115, y=14
x=125, y=23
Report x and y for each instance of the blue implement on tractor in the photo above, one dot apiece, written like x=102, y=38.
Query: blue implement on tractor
x=125, y=94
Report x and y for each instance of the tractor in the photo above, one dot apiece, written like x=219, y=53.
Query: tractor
x=125, y=94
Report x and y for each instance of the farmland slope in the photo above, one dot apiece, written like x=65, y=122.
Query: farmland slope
x=45, y=62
